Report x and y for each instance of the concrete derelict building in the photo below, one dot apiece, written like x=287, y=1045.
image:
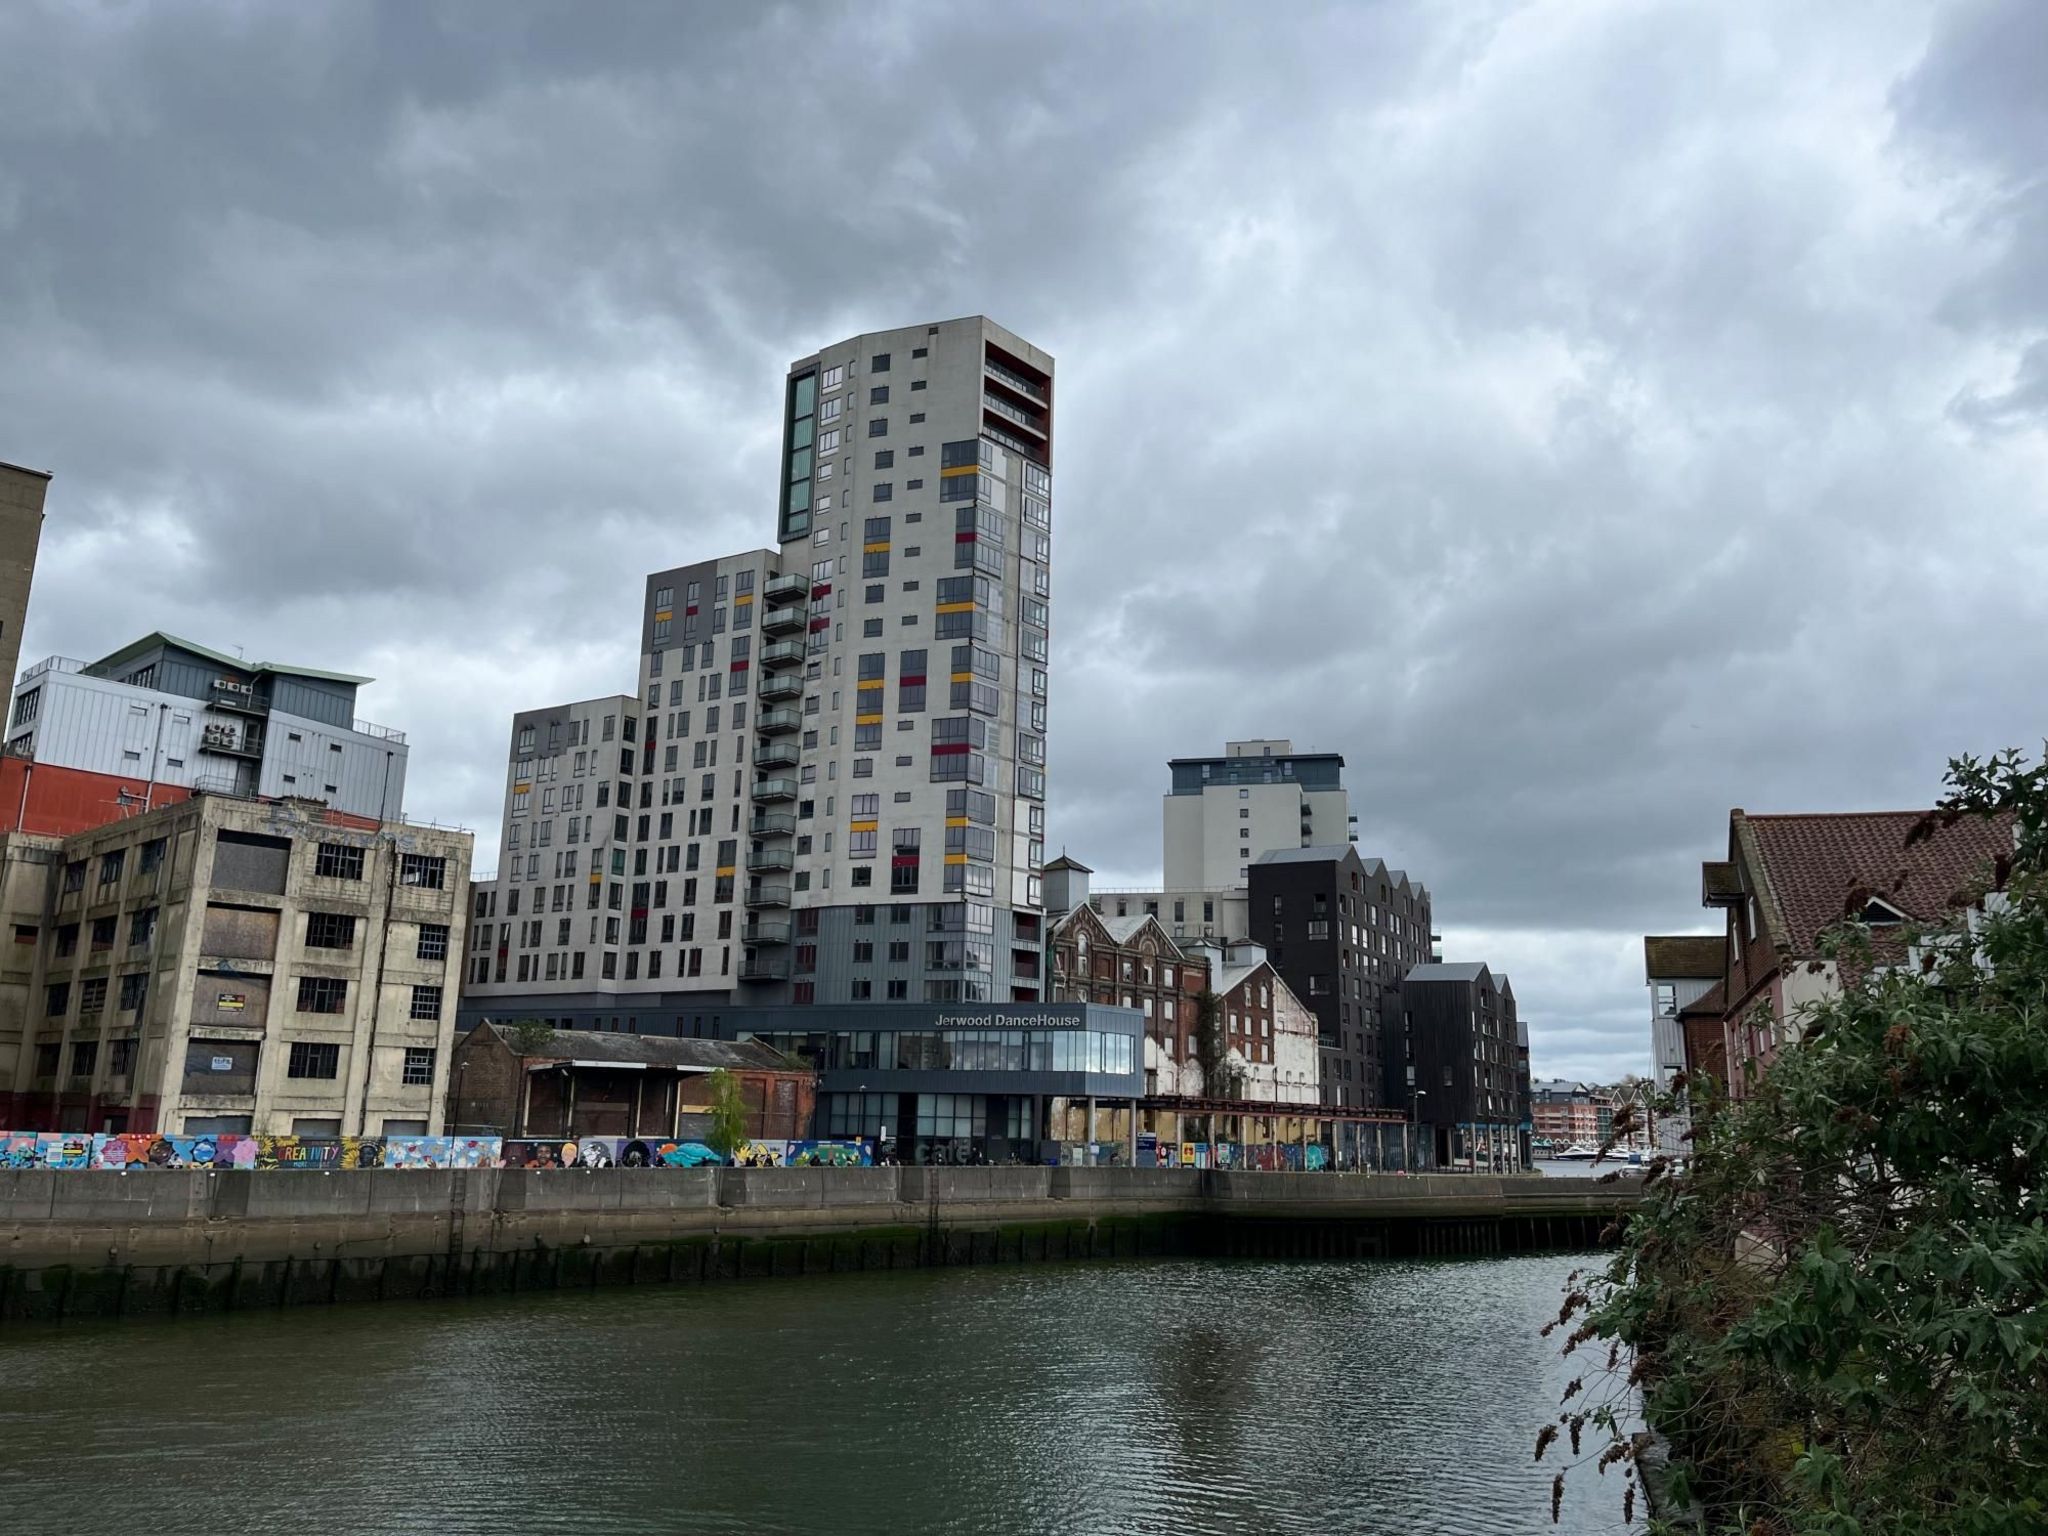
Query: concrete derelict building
x=231, y=965
x=220, y=921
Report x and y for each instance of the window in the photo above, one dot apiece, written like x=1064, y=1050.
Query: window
x=424, y=870
x=331, y=930
x=322, y=994
x=878, y=426
x=111, y=865
x=339, y=861
x=310, y=1058
x=879, y=363
x=426, y=1003
x=419, y=1066
x=134, y=989
x=878, y=395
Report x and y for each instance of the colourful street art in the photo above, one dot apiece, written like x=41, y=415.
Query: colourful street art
x=146, y=1149
x=319, y=1156
x=649, y=1153
x=140, y=1151
x=443, y=1151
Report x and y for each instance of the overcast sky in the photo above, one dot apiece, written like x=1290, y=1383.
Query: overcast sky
x=1586, y=417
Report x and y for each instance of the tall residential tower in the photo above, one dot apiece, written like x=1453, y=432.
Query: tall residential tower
x=834, y=788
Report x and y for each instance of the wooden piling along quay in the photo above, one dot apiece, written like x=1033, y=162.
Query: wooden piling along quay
x=162, y=1243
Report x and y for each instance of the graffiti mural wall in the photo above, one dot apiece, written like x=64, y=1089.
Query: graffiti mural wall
x=142, y=1151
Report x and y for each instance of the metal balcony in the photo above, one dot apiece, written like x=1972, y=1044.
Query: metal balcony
x=759, y=859
x=1025, y=419
x=771, y=824
x=782, y=653
x=787, y=588
x=767, y=895
x=781, y=620
x=764, y=968
x=785, y=685
x=1014, y=379
x=766, y=790
x=765, y=933
x=774, y=722
x=775, y=754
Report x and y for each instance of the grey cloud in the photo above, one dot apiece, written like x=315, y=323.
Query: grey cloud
x=1584, y=420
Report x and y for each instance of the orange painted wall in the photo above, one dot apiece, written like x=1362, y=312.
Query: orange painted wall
x=43, y=797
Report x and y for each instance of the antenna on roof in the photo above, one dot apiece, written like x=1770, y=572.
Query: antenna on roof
x=239, y=656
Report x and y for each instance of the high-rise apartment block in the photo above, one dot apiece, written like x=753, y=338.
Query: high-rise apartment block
x=849, y=723
x=1221, y=814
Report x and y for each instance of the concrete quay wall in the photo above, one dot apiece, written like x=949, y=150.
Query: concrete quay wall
x=94, y=1243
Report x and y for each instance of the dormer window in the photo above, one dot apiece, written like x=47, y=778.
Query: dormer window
x=1880, y=914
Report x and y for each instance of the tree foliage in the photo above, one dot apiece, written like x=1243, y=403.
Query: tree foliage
x=528, y=1037
x=728, y=1114
x=1837, y=1312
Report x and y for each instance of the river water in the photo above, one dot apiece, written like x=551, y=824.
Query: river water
x=1161, y=1396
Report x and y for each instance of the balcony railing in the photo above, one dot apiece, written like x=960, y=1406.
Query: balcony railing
x=1009, y=412
x=381, y=732
x=780, y=620
x=50, y=664
x=765, y=933
x=764, y=968
x=782, y=685
x=1035, y=452
x=775, y=754
x=1014, y=379
x=774, y=789
x=782, y=653
x=775, y=722
x=767, y=895
x=788, y=588
x=759, y=859
x=772, y=824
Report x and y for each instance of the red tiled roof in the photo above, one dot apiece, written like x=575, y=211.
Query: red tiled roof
x=1815, y=868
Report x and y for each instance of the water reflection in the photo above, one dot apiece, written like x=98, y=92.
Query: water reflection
x=1140, y=1397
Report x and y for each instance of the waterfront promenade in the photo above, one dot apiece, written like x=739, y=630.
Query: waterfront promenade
x=105, y=1243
